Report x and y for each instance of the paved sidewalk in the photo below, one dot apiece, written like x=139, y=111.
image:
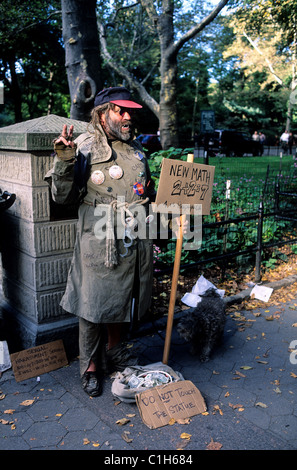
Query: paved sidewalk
x=249, y=385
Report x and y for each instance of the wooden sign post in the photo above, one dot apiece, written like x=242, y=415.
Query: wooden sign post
x=182, y=183
x=174, y=282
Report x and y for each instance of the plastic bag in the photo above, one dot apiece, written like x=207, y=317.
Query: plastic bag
x=202, y=285
x=125, y=384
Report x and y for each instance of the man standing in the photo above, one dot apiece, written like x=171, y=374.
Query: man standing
x=285, y=140
x=106, y=170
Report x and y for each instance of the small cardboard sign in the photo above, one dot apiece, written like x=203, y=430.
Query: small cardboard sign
x=178, y=400
x=184, y=183
x=38, y=360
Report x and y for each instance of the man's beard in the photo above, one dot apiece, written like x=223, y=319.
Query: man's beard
x=123, y=130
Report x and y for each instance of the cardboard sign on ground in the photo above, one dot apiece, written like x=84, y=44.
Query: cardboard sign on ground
x=185, y=183
x=178, y=400
x=38, y=360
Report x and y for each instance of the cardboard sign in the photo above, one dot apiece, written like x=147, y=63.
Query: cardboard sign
x=185, y=183
x=178, y=400
x=38, y=360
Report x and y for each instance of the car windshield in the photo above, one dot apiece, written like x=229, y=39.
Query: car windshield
x=145, y=139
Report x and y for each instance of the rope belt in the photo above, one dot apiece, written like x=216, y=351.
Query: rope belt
x=111, y=256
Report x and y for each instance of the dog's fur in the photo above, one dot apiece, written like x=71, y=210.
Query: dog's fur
x=203, y=327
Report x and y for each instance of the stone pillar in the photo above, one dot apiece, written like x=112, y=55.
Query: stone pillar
x=38, y=237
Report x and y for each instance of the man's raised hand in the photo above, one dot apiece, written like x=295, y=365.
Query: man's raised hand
x=64, y=147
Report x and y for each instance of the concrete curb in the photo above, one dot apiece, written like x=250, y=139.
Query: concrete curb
x=237, y=298
x=160, y=324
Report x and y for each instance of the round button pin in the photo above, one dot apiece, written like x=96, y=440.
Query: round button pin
x=115, y=172
x=97, y=177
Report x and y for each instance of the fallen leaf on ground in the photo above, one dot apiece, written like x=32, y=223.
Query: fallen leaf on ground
x=240, y=374
x=262, y=405
x=214, y=445
x=27, y=402
x=182, y=444
x=217, y=408
x=183, y=420
x=236, y=407
x=123, y=421
x=4, y=421
x=185, y=435
x=126, y=437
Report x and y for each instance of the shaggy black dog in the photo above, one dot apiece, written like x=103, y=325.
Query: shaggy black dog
x=203, y=327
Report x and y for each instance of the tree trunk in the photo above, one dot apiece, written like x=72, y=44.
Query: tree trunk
x=168, y=109
x=82, y=55
x=291, y=102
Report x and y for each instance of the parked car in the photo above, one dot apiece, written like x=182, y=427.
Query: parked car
x=230, y=143
x=150, y=142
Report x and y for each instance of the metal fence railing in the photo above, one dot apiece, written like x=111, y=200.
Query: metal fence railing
x=237, y=232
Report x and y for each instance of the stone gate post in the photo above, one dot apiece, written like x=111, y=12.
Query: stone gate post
x=38, y=237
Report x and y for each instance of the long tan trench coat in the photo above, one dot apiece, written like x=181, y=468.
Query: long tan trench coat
x=94, y=291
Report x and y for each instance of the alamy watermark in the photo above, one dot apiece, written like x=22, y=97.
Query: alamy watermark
x=131, y=221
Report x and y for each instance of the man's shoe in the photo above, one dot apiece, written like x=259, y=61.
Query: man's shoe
x=92, y=384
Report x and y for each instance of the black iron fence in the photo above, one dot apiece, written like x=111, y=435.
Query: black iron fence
x=251, y=225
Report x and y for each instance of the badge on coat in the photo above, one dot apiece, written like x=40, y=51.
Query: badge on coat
x=138, y=189
x=97, y=177
x=115, y=172
x=139, y=155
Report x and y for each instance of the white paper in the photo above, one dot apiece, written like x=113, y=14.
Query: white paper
x=262, y=293
x=4, y=357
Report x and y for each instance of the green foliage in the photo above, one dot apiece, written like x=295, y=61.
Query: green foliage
x=32, y=60
x=33, y=70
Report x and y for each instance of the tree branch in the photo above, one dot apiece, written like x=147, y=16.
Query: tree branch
x=123, y=72
x=36, y=23
x=268, y=63
x=123, y=8
x=174, y=49
x=150, y=9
